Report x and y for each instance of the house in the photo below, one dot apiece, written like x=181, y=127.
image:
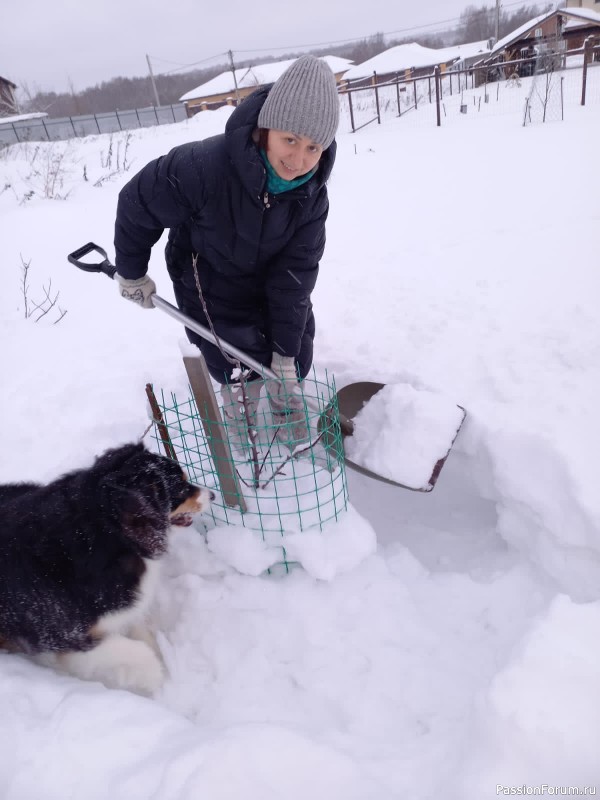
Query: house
x=415, y=61
x=8, y=101
x=402, y=61
x=463, y=56
x=555, y=33
x=221, y=90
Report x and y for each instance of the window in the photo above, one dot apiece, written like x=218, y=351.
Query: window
x=538, y=33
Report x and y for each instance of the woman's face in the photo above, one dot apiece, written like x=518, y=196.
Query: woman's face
x=291, y=155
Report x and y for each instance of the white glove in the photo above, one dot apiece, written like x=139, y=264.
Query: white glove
x=138, y=290
x=286, y=404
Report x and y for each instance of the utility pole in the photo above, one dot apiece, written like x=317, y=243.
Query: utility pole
x=237, y=93
x=497, y=27
x=152, y=81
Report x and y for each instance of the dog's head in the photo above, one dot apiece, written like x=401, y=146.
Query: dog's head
x=148, y=493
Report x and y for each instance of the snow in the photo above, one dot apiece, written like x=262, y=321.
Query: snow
x=22, y=117
x=584, y=14
x=402, y=432
x=397, y=59
x=461, y=52
x=429, y=645
x=522, y=29
x=415, y=56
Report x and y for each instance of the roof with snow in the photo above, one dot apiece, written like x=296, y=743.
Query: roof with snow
x=396, y=59
x=413, y=55
x=581, y=16
x=257, y=75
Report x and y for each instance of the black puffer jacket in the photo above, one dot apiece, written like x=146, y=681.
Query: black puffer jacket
x=258, y=254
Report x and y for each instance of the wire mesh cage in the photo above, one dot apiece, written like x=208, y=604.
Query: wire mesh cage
x=271, y=473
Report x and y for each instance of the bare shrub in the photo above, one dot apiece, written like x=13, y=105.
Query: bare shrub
x=33, y=309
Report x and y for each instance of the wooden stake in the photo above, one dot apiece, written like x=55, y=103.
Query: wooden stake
x=160, y=423
x=210, y=415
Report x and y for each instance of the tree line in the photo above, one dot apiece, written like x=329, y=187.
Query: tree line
x=476, y=23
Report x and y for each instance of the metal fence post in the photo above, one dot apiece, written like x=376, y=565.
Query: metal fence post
x=45, y=129
x=376, y=98
x=587, y=57
x=351, y=110
x=437, y=96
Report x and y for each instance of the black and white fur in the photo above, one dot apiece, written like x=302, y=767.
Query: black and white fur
x=79, y=561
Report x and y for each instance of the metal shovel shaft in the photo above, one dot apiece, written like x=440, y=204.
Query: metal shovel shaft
x=108, y=269
x=206, y=333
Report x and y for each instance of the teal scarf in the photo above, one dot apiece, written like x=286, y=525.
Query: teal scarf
x=277, y=185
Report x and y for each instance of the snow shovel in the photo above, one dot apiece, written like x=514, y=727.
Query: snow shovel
x=351, y=401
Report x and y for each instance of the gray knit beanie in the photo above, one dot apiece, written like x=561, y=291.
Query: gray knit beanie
x=304, y=101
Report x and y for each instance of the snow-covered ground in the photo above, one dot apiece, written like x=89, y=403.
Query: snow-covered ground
x=458, y=655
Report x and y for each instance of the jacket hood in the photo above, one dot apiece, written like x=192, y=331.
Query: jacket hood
x=245, y=156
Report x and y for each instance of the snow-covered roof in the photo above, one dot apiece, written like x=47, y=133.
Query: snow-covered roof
x=522, y=29
x=462, y=51
x=405, y=56
x=580, y=16
x=257, y=75
x=22, y=117
x=396, y=59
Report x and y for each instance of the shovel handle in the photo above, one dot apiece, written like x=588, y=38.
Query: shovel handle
x=110, y=270
x=101, y=266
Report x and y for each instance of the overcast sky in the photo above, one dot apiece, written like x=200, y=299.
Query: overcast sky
x=49, y=45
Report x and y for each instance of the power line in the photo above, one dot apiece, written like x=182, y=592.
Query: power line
x=410, y=29
x=187, y=66
x=366, y=36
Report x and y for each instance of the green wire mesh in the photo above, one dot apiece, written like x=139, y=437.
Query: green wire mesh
x=286, y=485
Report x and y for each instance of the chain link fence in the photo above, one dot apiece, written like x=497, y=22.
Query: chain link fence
x=61, y=128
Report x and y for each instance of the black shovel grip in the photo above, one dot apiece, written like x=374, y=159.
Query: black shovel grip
x=99, y=266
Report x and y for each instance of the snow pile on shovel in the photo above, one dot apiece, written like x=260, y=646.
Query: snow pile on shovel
x=401, y=433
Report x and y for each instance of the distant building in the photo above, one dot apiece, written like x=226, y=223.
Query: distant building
x=556, y=32
x=8, y=101
x=221, y=90
x=406, y=61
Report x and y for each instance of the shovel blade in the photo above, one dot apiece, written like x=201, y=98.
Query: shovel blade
x=353, y=398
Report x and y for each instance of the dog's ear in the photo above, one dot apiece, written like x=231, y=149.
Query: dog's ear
x=141, y=520
x=112, y=460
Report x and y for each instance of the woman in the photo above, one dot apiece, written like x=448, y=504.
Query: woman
x=248, y=208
